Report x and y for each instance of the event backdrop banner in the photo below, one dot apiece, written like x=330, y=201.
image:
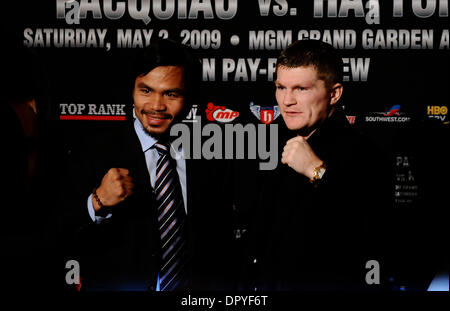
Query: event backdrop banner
x=395, y=56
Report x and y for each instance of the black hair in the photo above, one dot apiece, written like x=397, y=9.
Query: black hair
x=322, y=56
x=166, y=52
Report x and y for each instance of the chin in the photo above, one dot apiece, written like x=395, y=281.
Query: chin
x=294, y=126
x=156, y=131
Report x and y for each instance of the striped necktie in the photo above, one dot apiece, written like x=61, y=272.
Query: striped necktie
x=171, y=221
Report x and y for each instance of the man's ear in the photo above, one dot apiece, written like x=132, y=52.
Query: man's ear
x=336, y=93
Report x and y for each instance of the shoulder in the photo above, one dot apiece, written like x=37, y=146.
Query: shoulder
x=336, y=134
x=338, y=140
x=113, y=137
x=111, y=141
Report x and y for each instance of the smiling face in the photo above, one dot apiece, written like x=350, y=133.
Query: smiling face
x=303, y=98
x=159, y=97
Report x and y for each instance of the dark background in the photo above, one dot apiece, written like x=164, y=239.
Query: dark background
x=413, y=79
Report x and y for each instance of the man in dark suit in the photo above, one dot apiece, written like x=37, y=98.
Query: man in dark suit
x=321, y=208
x=140, y=218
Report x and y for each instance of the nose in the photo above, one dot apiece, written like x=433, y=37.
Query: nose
x=289, y=98
x=156, y=102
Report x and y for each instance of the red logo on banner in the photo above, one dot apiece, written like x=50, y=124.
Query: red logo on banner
x=210, y=110
x=351, y=119
x=266, y=116
x=220, y=113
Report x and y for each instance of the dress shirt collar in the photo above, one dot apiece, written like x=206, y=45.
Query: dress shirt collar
x=148, y=141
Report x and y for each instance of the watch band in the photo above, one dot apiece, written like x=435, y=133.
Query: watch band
x=318, y=172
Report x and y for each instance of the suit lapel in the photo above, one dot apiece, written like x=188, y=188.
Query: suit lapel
x=137, y=158
x=190, y=186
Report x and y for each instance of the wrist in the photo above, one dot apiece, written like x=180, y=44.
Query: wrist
x=312, y=167
x=318, y=172
x=96, y=200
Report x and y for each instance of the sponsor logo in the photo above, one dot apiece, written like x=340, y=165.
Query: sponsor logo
x=265, y=114
x=351, y=119
x=220, y=113
x=438, y=112
x=102, y=112
x=394, y=111
x=192, y=116
x=393, y=115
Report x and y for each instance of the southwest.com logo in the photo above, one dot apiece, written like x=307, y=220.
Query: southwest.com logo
x=438, y=112
x=393, y=115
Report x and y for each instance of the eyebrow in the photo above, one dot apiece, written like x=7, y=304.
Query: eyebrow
x=175, y=90
x=278, y=82
x=142, y=85
x=293, y=86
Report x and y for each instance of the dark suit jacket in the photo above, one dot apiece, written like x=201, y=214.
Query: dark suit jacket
x=123, y=252
x=320, y=237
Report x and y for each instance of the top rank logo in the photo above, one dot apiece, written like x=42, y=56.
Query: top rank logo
x=101, y=112
x=220, y=113
x=265, y=114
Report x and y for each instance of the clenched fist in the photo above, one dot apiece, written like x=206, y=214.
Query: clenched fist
x=116, y=186
x=298, y=154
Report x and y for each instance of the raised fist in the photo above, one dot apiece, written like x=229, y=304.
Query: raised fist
x=298, y=154
x=116, y=186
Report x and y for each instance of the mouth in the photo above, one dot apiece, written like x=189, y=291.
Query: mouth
x=292, y=113
x=156, y=119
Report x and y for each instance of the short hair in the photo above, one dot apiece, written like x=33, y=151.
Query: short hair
x=322, y=56
x=166, y=52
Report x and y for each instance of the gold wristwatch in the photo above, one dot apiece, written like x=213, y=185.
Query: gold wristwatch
x=318, y=172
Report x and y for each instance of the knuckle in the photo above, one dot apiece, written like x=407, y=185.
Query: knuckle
x=118, y=184
x=113, y=173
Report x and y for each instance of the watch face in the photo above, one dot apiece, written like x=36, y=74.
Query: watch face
x=320, y=172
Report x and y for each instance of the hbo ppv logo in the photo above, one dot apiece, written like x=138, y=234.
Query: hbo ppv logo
x=438, y=112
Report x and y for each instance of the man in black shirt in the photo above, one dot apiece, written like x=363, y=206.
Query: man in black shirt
x=322, y=206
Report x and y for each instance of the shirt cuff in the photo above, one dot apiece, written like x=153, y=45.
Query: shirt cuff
x=96, y=219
